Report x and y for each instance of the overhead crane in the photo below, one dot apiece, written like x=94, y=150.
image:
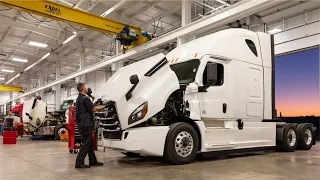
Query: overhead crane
x=129, y=36
x=11, y=88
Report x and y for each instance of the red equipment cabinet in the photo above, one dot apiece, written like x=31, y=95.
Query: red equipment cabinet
x=74, y=138
x=9, y=137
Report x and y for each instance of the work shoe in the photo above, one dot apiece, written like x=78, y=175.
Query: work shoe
x=96, y=164
x=82, y=166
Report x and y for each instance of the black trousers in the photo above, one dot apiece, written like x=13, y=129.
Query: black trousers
x=87, y=146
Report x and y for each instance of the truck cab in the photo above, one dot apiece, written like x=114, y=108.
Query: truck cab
x=211, y=95
x=61, y=115
x=17, y=110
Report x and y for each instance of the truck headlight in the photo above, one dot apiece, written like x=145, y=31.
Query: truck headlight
x=139, y=113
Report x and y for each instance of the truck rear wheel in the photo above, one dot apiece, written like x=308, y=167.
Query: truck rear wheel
x=290, y=138
x=182, y=144
x=305, y=136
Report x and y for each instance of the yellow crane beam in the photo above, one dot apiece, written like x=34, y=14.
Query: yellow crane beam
x=67, y=14
x=11, y=88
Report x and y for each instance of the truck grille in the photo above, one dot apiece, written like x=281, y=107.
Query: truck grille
x=109, y=122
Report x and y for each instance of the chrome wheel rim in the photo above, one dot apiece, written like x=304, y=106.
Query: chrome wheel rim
x=184, y=144
x=308, y=136
x=62, y=131
x=292, y=137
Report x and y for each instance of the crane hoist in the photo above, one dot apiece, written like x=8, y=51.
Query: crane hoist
x=129, y=36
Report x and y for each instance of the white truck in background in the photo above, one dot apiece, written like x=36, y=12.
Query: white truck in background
x=34, y=113
x=213, y=95
x=63, y=112
x=38, y=122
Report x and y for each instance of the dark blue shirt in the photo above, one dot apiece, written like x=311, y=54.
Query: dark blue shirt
x=84, y=113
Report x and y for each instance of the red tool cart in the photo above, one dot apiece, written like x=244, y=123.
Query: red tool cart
x=74, y=138
x=9, y=132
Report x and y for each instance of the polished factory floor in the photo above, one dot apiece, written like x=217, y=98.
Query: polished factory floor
x=51, y=160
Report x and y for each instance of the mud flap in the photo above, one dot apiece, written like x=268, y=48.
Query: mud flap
x=279, y=134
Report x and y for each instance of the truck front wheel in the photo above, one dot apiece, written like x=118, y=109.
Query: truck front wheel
x=182, y=144
x=305, y=136
x=59, y=130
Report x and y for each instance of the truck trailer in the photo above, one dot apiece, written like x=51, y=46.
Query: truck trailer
x=213, y=95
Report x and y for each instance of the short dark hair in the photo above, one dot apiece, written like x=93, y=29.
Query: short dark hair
x=80, y=86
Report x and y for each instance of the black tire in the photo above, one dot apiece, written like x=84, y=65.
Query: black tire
x=131, y=154
x=171, y=154
x=295, y=125
x=75, y=151
x=56, y=131
x=290, y=138
x=305, y=136
x=70, y=150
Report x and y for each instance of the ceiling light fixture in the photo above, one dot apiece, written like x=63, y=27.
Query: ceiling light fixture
x=66, y=2
x=43, y=57
x=32, y=43
x=275, y=30
x=7, y=70
x=223, y=2
x=19, y=60
x=13, y=78
x=70, y=38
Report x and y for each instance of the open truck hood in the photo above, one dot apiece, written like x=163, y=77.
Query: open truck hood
x=154, y=89
x=36, y=110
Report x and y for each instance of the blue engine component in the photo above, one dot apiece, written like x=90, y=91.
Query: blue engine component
x=127, y=36
x=147, y=34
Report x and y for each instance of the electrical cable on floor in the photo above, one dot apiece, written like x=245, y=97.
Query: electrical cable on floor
x=40, y=19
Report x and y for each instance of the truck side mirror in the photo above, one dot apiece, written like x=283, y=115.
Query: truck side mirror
x=212, y=77
x=212, y=73
x=134, y=79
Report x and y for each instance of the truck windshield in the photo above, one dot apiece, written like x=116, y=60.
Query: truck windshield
x=186, y=71
x=66, y=104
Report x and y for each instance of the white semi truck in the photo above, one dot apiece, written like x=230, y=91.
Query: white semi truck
x=213, y=95
x=37, y=121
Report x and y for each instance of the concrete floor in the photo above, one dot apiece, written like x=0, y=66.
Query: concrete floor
x=50, y=160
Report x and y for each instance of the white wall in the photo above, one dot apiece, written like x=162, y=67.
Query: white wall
x=95, y=80
x=297, y=32
x=49, y=98
x=297, y=38
x=4, y=96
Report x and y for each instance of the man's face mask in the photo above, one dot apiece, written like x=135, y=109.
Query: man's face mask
x=89, y=92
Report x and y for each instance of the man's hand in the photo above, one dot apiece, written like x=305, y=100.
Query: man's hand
x=98, y=108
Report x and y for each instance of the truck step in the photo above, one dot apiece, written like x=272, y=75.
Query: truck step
x=218, y=146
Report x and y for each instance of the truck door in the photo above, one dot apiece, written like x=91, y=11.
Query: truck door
x=213, y=98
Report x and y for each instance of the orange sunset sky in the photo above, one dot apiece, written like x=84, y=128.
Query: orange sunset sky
x=297, y=84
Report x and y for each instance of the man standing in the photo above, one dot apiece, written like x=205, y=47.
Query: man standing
x=11, y=116
x=84, y=119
